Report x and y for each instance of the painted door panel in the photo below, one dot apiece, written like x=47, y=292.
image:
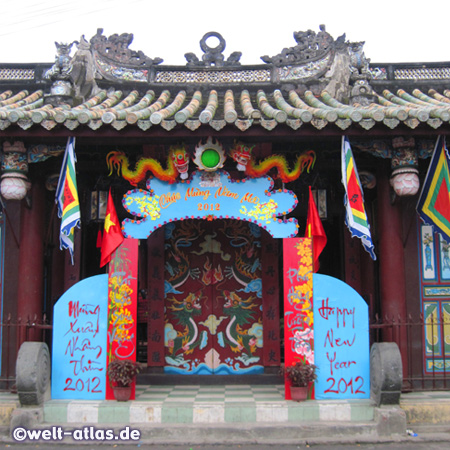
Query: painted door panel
x=213, y=297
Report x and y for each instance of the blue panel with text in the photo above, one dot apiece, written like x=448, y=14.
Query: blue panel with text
x=210, y=196
x=79, y=341
x=341, y=340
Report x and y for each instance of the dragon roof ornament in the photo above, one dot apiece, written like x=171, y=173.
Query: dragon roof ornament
x=310, y=47
x=115, y=50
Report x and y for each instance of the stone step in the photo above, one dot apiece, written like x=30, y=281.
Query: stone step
x=213, y=434
x=207, y=380
x=427, y=407
x=172, y=411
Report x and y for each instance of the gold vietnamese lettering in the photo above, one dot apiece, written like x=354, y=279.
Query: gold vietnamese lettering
x=250, y=199
x=166, y=200
x=225, y=192
x=196, y=192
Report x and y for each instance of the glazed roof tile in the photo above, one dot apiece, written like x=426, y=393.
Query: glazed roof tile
x=319, y=83
x=267, y=109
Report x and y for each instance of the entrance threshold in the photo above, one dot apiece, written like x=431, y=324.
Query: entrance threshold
x=158, y=377
x=160, y=411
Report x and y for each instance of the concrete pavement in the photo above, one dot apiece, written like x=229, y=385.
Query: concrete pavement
x=253, y=415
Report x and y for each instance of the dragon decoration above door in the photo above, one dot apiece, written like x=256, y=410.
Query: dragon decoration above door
x=210, y=193
x=178, y=163
x=213, y=283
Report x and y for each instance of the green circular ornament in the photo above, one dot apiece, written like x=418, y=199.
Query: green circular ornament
x=210, y=158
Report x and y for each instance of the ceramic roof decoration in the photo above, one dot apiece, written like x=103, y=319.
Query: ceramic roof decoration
x=320, y=83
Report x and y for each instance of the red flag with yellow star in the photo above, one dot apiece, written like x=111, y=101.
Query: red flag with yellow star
x=112, y=233
x=314, y=230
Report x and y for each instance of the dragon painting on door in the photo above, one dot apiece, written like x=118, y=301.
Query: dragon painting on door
x=213, y=297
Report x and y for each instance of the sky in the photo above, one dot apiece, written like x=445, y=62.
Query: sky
x=393, y=30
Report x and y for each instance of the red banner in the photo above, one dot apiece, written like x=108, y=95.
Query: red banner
x=298, y=306
x=122, y=306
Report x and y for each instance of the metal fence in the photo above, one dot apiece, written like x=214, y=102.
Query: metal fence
x=424, y=345
x=13, y=333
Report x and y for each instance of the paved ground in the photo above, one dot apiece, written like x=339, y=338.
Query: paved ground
x=180, y=418
x=226, y=404
x=413, y=445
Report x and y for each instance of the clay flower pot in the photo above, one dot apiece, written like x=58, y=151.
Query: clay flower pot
x=301, y=376
x=122, y=393
x=122, y=373
x=299, y=393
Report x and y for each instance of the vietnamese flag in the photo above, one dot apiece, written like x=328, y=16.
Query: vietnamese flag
x=112, y=232
x=314, y=230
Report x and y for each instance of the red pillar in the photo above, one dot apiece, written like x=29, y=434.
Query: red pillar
x=392, y=265
x=30, y=295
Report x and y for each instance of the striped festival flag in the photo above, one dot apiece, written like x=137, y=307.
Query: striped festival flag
x=67, y=199
x=433, y=206
x=355, y=217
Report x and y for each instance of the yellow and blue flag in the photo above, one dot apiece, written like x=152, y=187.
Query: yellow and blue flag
x=67, y=199
x=433, y=206
x=355, y=217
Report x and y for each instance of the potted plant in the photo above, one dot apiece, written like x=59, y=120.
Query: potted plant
x=301, y=376
x=121, y=373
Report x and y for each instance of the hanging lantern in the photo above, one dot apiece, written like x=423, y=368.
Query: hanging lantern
x=404, y=165
x=14, y=168
x=14, y=187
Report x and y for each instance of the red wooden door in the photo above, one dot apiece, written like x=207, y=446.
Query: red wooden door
x=213, y=297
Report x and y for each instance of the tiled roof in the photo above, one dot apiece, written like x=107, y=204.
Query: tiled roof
x=239, y=107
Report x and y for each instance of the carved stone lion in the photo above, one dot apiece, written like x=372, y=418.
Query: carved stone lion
x=62, y=67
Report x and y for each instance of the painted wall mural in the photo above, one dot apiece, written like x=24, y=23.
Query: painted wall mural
x=213, y=294
x=435, y=294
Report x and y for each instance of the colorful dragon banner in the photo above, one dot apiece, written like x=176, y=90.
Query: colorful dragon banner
x=210, y=196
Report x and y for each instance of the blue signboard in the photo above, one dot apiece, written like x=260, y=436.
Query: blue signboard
x=341, y=340
x=210, y=195
x=79, y=341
